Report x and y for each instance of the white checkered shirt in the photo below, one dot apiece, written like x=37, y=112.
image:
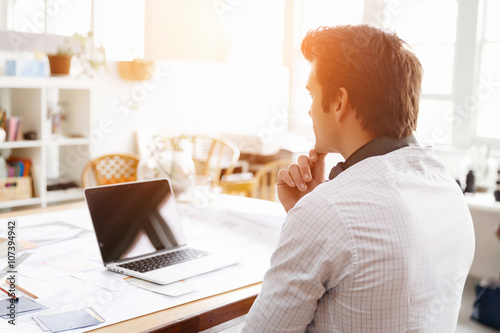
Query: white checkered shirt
x=386, y=246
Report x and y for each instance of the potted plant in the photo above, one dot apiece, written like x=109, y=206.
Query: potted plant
x=89, y=58
x=60, y=62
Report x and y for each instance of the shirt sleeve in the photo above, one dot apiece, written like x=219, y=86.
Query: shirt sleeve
x=313, y=255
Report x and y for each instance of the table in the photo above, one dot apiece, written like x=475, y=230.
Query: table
x=221, y=310
x=485, y=212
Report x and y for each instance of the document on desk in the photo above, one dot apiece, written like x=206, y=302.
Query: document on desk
x=231, y=228
x=72, y=264
x=102, y=278
x=21, y=245
x=41, y=273
x=24, y=306
x=173, y=289
x=69, y=320
x=49, y=232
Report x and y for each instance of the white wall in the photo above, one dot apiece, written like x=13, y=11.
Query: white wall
x=188, y=97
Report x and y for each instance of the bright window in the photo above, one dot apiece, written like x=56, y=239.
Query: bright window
x=434, y=44
x=120, y=28
x=311, y=15
x=55, y=17
x=255, y=32
x=488, y=85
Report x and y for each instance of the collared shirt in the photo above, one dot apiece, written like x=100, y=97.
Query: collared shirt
x=378, y=146
x=386, y=246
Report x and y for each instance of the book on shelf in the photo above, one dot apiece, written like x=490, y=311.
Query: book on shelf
x=34, y=182
x=12, y=126
x=3, y=119
x=13, y=129
x=18, y=167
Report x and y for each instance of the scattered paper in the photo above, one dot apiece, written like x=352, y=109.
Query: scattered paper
x=173, y=289
x=73, y=264
x=41, y=273
x=24, y=306
x=40, y=323
x=21, y=245
x=63, y=321
x=49, y=232
x=99, y=279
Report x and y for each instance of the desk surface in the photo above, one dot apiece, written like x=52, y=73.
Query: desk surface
x=484, y=202
x=199, y=314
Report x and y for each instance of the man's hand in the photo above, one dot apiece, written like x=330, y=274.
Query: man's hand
x=300, y=178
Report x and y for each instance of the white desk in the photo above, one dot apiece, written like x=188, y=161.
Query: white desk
x=253, y=230
x=485, y=212
x=484, y=202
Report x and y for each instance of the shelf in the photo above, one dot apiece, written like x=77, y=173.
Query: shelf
x=19, y=203
x=65, y=195
x=52, y=156
x=21, y=144
x=45, y=82
x=483, y=202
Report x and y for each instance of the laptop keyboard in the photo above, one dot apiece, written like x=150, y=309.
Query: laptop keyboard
x=164, y=260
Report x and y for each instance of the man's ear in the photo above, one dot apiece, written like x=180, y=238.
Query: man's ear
x=340, y=104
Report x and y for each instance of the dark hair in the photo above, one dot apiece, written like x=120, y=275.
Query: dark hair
x=382, y=77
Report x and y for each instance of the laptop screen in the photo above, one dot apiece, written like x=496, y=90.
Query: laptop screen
x=134, y=219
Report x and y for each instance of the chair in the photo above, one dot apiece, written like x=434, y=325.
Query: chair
x=262, y=185
x=214, y=157
x=110, y=169
x=266, y=179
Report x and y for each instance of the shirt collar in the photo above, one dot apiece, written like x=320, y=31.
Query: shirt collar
x=378, y=146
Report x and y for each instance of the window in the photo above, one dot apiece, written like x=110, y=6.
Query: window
x=458, y=44
x=119, y=26
x=254, y=30
x=459, y=47
x=434, y=45
x=55, y=17
x=488, y=85
x=310, y=15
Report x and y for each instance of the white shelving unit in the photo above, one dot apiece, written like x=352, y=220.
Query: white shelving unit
x=63, y=156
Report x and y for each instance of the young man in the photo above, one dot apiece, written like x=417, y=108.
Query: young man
x=386, y=244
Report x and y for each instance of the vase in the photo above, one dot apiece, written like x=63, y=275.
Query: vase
x=59, y=64
x=177, y=166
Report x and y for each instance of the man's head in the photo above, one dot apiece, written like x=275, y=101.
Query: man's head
x=371, y=70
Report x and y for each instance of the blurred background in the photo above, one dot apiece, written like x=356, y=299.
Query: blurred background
x=230, y=65
x=234, y=67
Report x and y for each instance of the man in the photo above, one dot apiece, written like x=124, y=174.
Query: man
x=387, y=243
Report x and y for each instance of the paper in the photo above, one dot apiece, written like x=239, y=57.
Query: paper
x=21, y=245
x=173, y=289
x=19, y=260
x=49, y=232
x=73, y=264
x=24, y=306
x=40, y=323
x=99, y=279
x=64, y=321
x=41, y=273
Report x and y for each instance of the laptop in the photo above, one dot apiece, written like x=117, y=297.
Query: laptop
x=140, y=233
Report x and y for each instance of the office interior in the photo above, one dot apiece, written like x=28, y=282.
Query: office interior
x=232, y=69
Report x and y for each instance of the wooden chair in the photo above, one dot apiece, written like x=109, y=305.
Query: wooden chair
x=266, y=178
x=214, y=157
x=110, y=169
x=262, y=185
